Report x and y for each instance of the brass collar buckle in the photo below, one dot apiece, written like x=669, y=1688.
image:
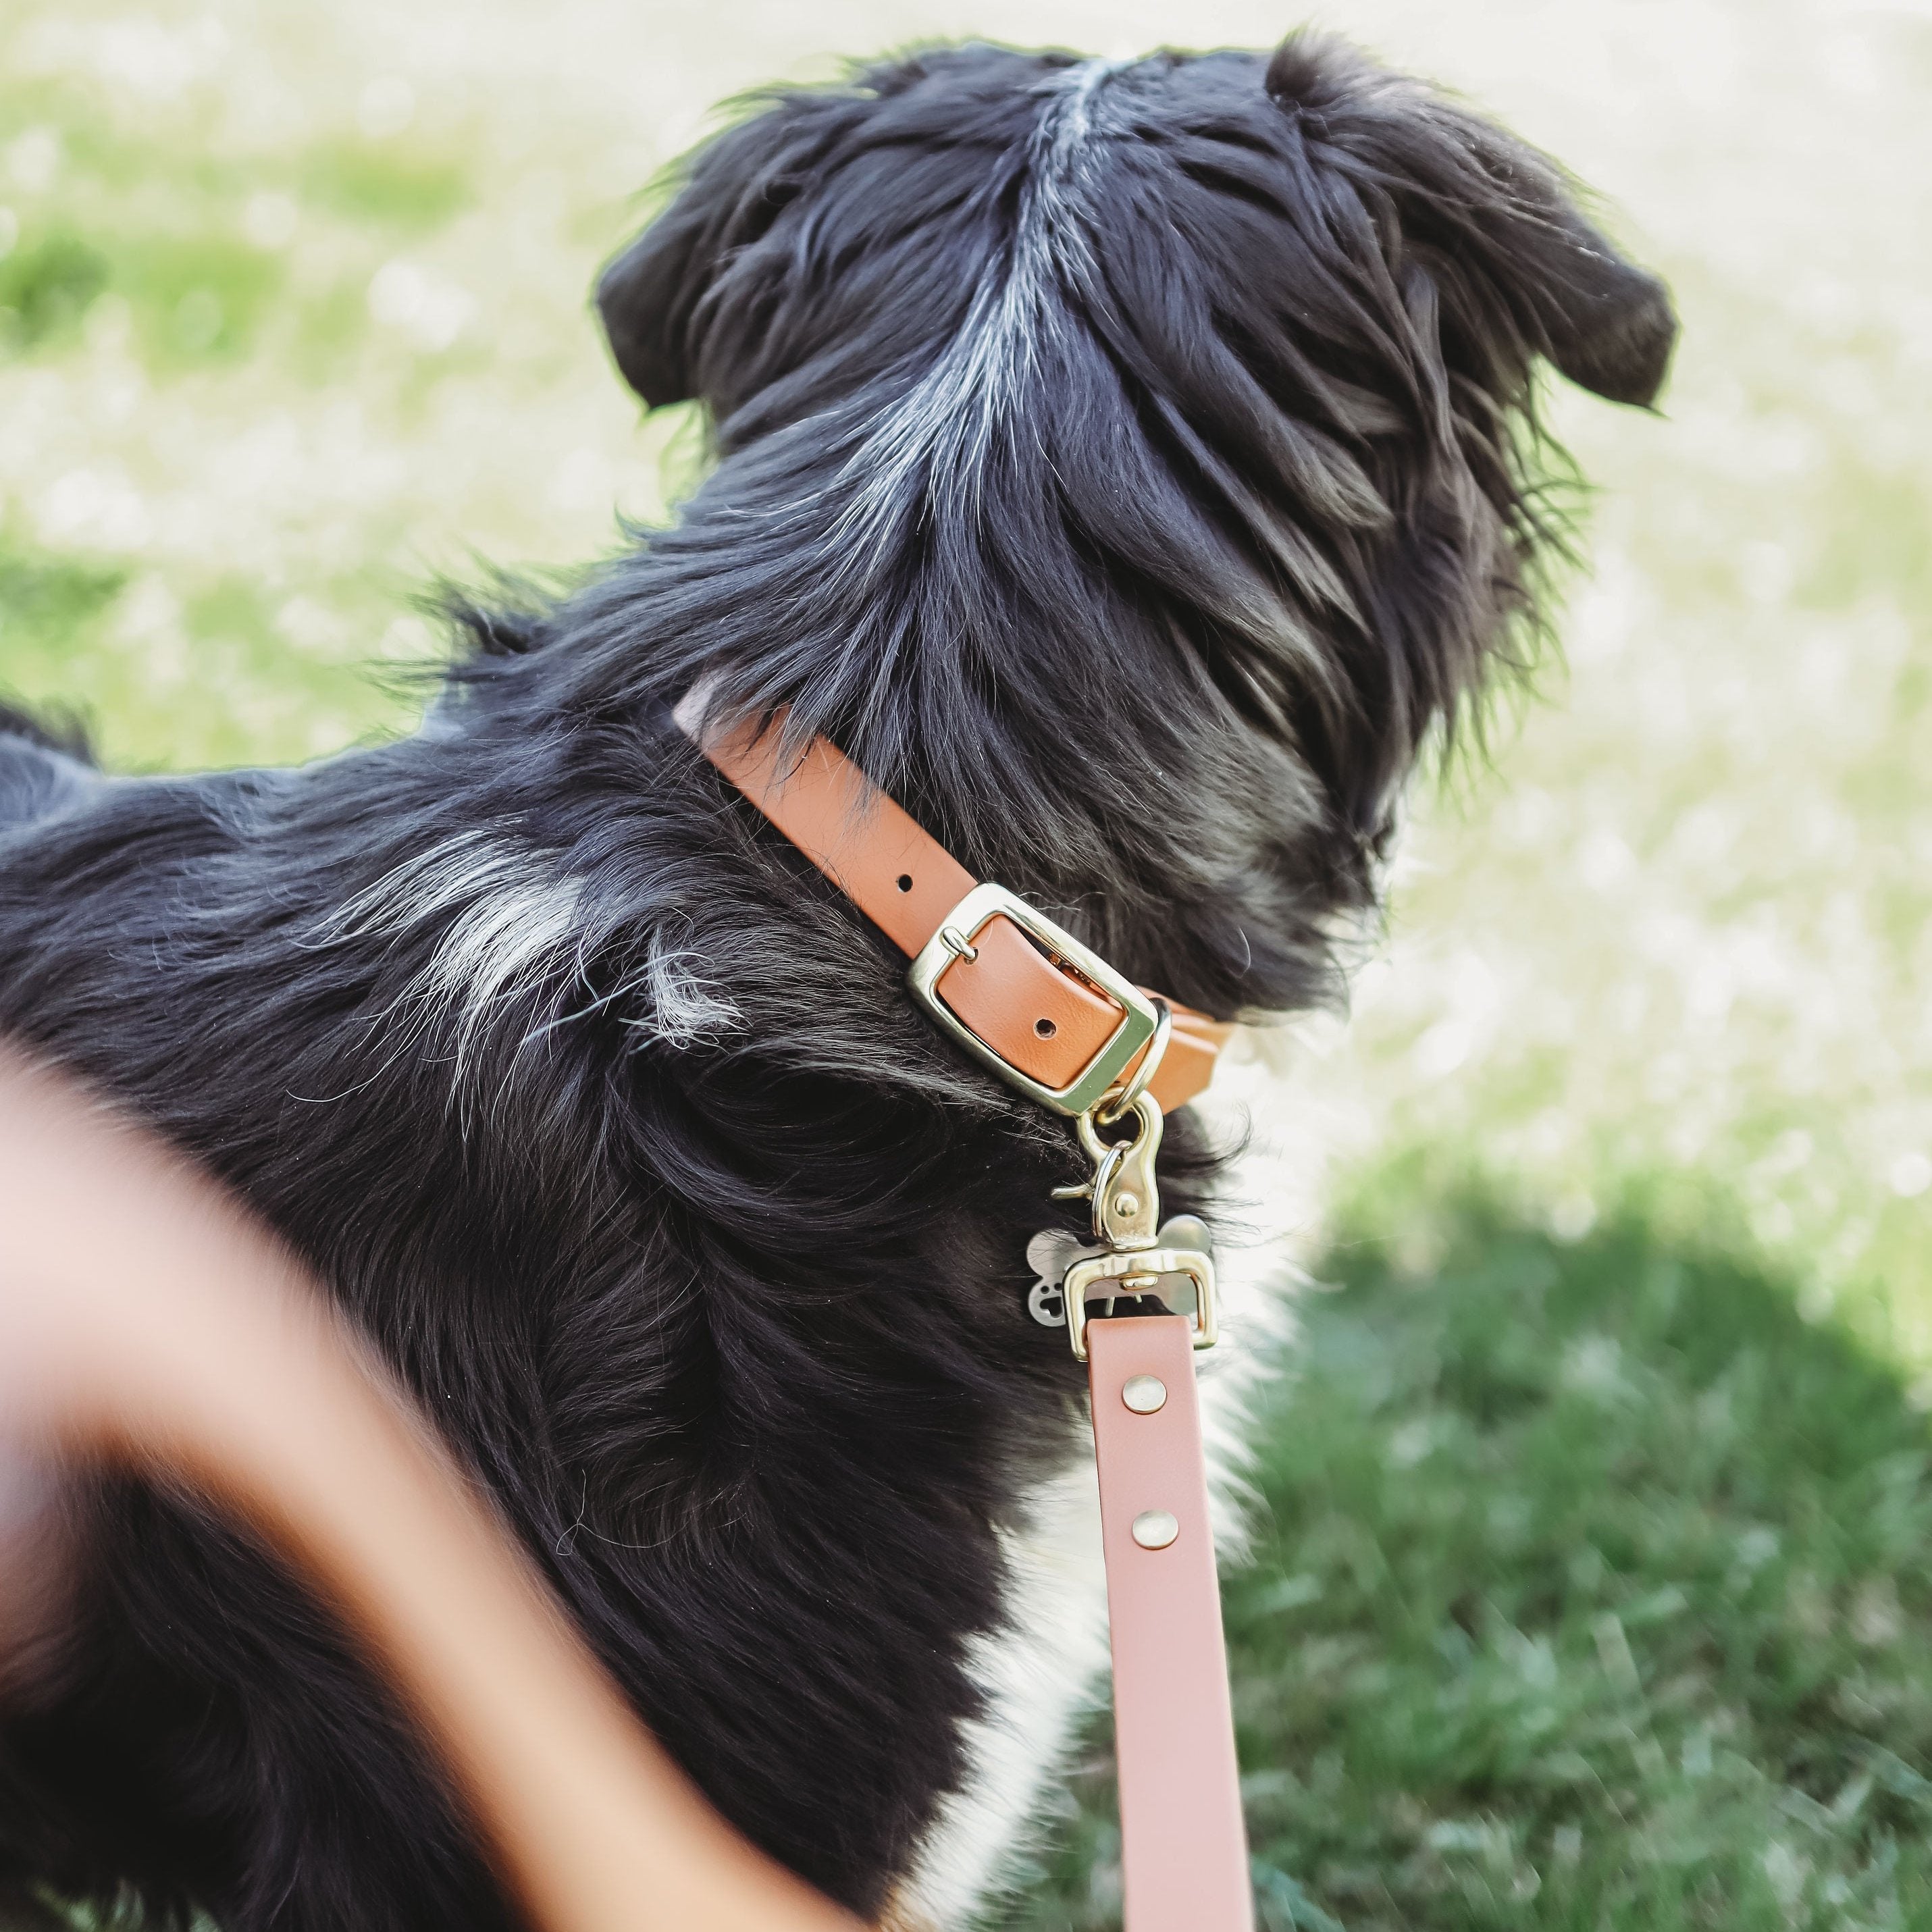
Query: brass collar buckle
x=1139, y=1024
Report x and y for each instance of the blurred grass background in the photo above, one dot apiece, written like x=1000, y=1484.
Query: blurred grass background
x=1591, y=1580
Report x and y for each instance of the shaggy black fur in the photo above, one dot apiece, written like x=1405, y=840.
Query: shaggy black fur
x=1126, y=464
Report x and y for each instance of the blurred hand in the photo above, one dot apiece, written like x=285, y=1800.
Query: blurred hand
x=144, y=1318
x=36, y=1572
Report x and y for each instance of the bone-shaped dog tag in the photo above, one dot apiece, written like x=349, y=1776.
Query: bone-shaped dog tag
x=1053, y=1251
x=1046, y=1303
x=1050, y=1254
x=1185, y=1231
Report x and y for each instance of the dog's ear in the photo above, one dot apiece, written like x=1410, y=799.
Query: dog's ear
x=1477, y=201
x=1607, y=323
x=1604, y=322
x=732, y=191
x=692, y=305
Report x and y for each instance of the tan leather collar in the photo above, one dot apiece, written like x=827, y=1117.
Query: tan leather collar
x=1026, y=998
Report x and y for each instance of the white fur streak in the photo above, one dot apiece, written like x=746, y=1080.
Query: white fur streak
x=1038, y=1674
x=686, y=1008
x=519, y=938
x=941, y=428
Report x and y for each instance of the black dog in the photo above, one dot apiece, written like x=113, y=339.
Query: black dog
x=1131, y=466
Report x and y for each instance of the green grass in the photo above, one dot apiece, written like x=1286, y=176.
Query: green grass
x=1591, y=1591
x=46, y=287
x=90, y=637
x=192, y=239
x=413, y=193
x=47, y=598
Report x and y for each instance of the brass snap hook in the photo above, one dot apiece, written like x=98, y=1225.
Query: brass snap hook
x=1135, y=1249
x=1126, y=1195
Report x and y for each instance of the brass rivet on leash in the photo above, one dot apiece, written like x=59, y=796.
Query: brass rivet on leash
x=1155, y=1529
x=1144, y=1394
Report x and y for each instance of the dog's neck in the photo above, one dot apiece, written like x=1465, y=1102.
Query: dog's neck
x=1067, y=743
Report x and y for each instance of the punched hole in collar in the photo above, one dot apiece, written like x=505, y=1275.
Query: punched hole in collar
x=1044, y=1028
x=904, y=882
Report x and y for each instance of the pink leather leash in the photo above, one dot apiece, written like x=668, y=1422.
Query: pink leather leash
x=1183, y=1847
x=1183, y=1859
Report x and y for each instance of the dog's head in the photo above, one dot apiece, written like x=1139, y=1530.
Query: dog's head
x=1141, y=453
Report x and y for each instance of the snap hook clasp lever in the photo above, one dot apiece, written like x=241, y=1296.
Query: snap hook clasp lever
x=1138, y=1250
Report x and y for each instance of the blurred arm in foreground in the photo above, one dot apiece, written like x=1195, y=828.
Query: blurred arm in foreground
x=144, y=1318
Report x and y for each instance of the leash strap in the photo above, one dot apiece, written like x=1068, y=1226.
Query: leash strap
x=1056, y=1022
x=1183, y=1849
